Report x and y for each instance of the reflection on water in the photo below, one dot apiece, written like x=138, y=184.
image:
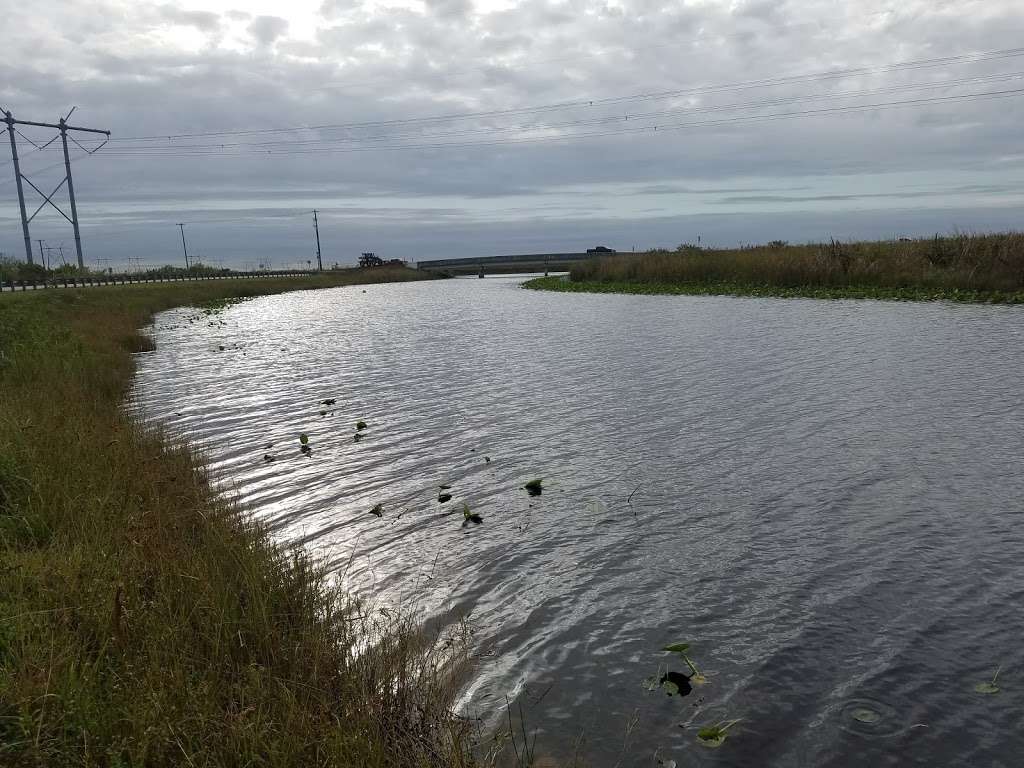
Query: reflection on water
x=823, y=498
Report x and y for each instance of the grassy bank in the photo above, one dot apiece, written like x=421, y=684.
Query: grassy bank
x=971, y=268
x=143, y=620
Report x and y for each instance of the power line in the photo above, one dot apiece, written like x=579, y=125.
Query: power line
x=590, y=121
x=185, y=152
x=642, y=96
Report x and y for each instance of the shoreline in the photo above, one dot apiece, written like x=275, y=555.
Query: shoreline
x=566, y=285
x=145, y=619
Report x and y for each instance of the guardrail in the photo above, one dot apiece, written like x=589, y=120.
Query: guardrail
x=9, y=286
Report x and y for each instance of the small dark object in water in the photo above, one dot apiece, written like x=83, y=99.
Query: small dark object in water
x=443, y=497
x=266, y=447
x=221, y=347
x=533, y=487
x=323, y=413
x=378, y=510
x=328, y=401
x=360, y=425
x=487, y=459
x=679, y=681
x=268, y=458
x=357, y=437
x=306, y=450
x=444, y=487
x=473, y=518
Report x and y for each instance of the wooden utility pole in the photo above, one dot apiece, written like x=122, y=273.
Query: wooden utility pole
x=63, y=127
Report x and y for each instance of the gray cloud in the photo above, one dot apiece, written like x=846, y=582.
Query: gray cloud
x=204, y=21
x=267, y=29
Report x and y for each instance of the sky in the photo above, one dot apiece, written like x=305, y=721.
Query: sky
x=431, y=128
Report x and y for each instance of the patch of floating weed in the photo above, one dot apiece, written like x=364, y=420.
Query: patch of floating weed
x=360, y=425
x=696, y=677
x=989, y=687
x=713, y=736
x=443, y=497
x=378, y=510
x=534, y=487
x=470, y=517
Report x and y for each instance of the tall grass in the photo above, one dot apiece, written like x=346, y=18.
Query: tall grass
x=145, y=621
x=962, y=262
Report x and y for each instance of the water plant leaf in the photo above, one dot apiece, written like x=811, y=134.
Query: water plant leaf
x=304, y=438
x=865, y=715
x=444, y=487
x=328, y=401
x=534, y=487
x=990, y=686
x=677, y=647
x=378, y=510
x=470, y=517
x=360, y=425
x=713, y=736
x=651, y=683
x=268, y=458
x=443, y=497
x=323, y=413
x=670, y=688
x=306, y=450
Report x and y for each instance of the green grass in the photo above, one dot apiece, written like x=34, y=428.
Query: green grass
x=144, y=621
x=967, y=268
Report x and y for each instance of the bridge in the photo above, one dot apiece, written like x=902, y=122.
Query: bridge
x=525, y=262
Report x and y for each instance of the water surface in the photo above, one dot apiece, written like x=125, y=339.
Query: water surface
x=823, y=497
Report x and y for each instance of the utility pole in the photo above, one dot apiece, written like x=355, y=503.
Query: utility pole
x=40, y=251
x=316, y=228
x=183, y=246
x=63, y=128
x=62, y=261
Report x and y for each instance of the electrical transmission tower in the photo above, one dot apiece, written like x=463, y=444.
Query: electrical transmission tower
x=63, y=127
x=316, y=228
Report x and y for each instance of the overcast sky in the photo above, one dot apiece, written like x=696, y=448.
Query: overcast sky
x=561, y=125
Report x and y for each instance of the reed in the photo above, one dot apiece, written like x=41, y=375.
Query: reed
x=966, y=267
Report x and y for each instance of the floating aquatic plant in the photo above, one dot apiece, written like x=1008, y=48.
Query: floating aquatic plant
x=360, y=425
x=444, y=487
x=865, y=715
x=306, y=450
x=328, y=401
x=443, y=497
x=989, y=687
x=533, y=487
x=714, y=735
x=470, y=517
x=268, y=458
x=487, y=459
x=696, y=678
x=323, y=413
x=304, y=438
x=378, y=510
x=357, y=437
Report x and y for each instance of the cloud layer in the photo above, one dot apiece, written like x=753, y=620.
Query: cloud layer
x=635, y=123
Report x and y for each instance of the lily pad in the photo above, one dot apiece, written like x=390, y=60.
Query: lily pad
x=444, y=487
x=865, y=715
x=360, y=425
x=534, y=487
x=304, y=438
x=989, y=687
x=378, y=510
x=328, y=401
x=323, y=413
x=715, y=735
x=470, y=517
x=443, y=497
x=677, y=647
x=268, y=458
x=357, y=437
